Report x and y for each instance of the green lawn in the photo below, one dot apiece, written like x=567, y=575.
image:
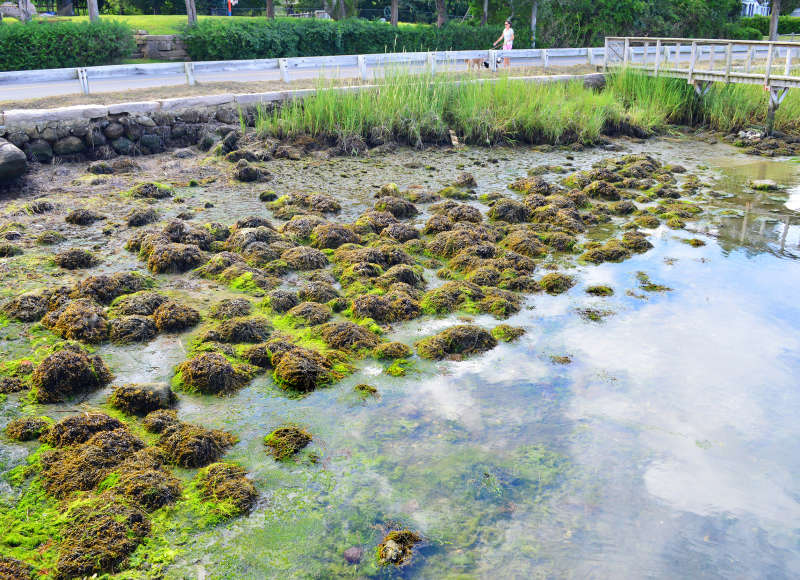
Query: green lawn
x=168, y=24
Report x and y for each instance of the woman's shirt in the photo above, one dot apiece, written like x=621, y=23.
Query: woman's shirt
x=508, y=35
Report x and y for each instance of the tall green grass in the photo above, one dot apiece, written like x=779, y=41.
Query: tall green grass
x=417, y=109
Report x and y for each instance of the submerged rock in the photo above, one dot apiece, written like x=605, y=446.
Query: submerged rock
x=397, y=548
x=226, y=484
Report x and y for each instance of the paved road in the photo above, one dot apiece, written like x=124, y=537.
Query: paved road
x=23, y=91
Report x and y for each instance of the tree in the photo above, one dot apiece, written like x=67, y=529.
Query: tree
x=94, y=13
x=773, y=21
x=270, y=9
x=485, y=16
x=441, y=13
x=191, y=12
x=534, y=14
x=395, y=12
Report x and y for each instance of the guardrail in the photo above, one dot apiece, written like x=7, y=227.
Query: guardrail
x=434, y=61
x=773, y=65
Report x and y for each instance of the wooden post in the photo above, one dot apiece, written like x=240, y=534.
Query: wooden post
x=546, y=59
x=644, y=56
x=83, y=80
x=284, y=66
x=432, y=62
x=362, y=66
x=627, y=48
x=788, y=68
x=770, y=55
x=712, y=57
x=749, y=65
x=678, y=55
x=692, y=62
x=728, y=61
x=188, y=67
x=658, y=55
x=605, y=56
x=493, y=60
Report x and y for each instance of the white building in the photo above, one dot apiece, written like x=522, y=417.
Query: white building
x=755, y=8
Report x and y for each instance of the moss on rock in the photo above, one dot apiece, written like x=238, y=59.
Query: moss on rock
x=175, y=317
x=286, y=441
x=141, y=398
x=226, y=485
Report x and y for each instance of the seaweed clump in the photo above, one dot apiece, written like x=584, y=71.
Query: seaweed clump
x=507, y=333
x=143, y=303
x=83, y=467
x=174, y=258
x=129, y=329
x=227, y=486
x=210, y=373
x=75, y=258
x=241, y=330
x=100, y=536
x=174, y=317
x=26, y=307
x=286, y=441
x=188, y=445
x=27, y=428
x=79, y=429
x=141, y=399
x=230, y=308
x=397, y=548
x=391, y=351
x=81, y=319
x=299, y=369
x=13, y=569
x=556, y=283
x=348, y=335
x=461, y=340
x=67, y=372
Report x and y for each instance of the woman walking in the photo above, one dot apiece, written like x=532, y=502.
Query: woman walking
x=507, y=39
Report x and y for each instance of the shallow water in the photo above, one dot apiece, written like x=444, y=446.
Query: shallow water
x=666, y=449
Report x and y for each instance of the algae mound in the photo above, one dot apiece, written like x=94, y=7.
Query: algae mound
x=287, y=441
x=462, y=340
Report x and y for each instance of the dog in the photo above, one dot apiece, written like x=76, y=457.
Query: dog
x=477, y=63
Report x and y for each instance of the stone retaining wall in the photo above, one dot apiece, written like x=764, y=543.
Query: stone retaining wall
x=160, y=47
x=143, y=128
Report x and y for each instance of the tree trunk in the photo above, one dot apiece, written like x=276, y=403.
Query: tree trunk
x=534, y=14
x=395, y=12
x=191, y=12
x=94, y=13
x=271, y=9
x=24, y=12
x=342, y=10
x=773, y=22
x=441, y=10
x=485, y=15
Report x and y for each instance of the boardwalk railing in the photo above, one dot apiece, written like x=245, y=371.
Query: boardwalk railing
x=773, y=65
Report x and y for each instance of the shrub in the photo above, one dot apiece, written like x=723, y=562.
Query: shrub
x=231, y=40
x=786, y=24
x=40, y=45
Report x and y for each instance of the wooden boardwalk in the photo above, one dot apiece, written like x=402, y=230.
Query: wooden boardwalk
x=772, y=65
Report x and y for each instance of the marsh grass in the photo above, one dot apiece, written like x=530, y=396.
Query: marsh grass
x=416, y=109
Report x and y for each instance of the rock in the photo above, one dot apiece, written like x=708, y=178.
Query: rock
x=353, y=555
x=69, y=146
x=114, y=131
x=764, y=185
x=123, y=146
x=152, y=142
x=39, y=150
x=12, y=161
